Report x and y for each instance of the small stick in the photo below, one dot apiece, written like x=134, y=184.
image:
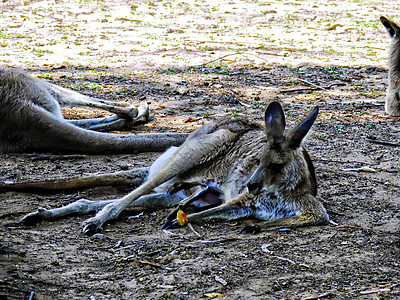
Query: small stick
x=312, y=84
x=326, y=294
x=146, y=262
x=56, y=157
x=32, y=295
x=365, y=228
x=219, y=58
x=311, y=89
x=194, y=231
x=299, y=90
x=375, y=291
x=284, y=258
x=388, y=117
x=277, y=282
x=383, y=143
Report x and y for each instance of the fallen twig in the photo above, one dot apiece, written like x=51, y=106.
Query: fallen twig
x=323, y=295
x=221, y=240
x=366, y=228
x=52, y=157
x=312, y=84
x=211, y=61
x=265, y=249
x=32, y=295
x=194, y=231
x=146, y=262
x=383, y=143
x=284, y=258
x=316, y=87
x=361, y=169
x=374, y=291
x=388, y=117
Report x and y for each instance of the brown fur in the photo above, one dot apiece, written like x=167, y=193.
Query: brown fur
x=392, y=104
x=258, y=172
x=31, y=120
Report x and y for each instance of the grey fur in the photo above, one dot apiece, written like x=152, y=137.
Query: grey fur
x=392, y=103
x=261, y=173
x=31, y=120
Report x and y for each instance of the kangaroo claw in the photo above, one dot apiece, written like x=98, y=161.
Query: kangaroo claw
x=250, y=229
x=91, y=228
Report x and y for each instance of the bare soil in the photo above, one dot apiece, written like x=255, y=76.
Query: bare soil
x=174, y=55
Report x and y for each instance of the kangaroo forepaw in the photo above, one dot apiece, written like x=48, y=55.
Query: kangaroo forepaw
x=35, y=217
x=172, y=215
x=172, y=224
x=143, y=113
x=250, y=229
x=90, y=227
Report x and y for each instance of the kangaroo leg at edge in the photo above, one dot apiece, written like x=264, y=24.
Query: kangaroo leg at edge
x=133, y=177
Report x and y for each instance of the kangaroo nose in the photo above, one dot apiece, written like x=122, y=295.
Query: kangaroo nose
x=253, y=187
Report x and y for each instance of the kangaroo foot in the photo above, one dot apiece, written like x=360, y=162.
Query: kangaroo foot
x=91, y=226
x=143, y=114
x=35, y=217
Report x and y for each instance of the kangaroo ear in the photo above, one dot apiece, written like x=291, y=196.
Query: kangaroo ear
x=297, y=135
x=274, y=121
x=391, y=27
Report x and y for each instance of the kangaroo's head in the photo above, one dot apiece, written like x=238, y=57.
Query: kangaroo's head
x=284, y=165
x=392, y=104
x=391, y=27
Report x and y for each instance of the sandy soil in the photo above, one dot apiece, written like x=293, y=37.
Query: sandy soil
x=174, y=55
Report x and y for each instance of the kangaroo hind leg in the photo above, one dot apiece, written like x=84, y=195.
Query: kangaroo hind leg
x=68, y=97
x=85, y=206
x=114, y=122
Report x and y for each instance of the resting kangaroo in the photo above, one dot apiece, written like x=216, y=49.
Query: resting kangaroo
x=250, y=171
x=31, y=120
x=392, y=104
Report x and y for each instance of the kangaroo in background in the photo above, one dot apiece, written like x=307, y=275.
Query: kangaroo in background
x=392, y=104
x=247, y=170
x=31, y=120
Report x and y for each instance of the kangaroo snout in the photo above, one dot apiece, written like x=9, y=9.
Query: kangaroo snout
x=255, y=183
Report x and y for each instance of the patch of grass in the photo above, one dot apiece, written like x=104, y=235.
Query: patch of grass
x=41, y=52
x=341, y=128
x=170, y=112
x=218, y=71
x=336, y=73
x=233, y=112
x=372, y=94
x=89, y=86
x=167, y=71
x=258, y=104
x=45, y=76
x=360, y=113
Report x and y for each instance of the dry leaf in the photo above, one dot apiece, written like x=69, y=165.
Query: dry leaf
x=191, y=120
x=213, y=295
x=182, y=218
x=333, y=27
x=362, y=169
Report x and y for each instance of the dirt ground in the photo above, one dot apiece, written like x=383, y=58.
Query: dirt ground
x=195, y=62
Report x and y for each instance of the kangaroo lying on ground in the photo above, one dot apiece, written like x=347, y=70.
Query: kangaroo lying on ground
x=392, y=104
x=31, y=120
x=247, y=170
